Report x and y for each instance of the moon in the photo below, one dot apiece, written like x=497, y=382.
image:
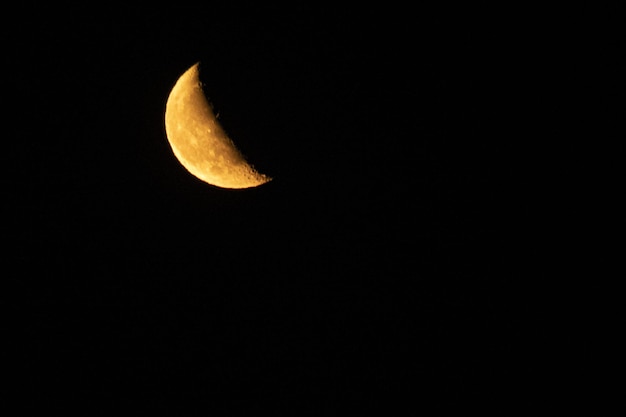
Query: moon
x=198, y=140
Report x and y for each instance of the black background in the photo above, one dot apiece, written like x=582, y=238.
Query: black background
x=418, y=250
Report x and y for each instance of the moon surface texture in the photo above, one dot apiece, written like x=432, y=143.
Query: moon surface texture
x=198, y=140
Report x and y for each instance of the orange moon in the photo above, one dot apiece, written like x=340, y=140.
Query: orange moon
x=198, y=140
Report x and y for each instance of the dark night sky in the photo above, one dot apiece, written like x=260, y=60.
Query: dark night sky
x=409, y=252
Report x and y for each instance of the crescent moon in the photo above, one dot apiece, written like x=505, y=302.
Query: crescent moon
x=199, y=142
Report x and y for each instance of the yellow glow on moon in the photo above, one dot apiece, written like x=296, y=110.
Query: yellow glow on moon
x=198, y=140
